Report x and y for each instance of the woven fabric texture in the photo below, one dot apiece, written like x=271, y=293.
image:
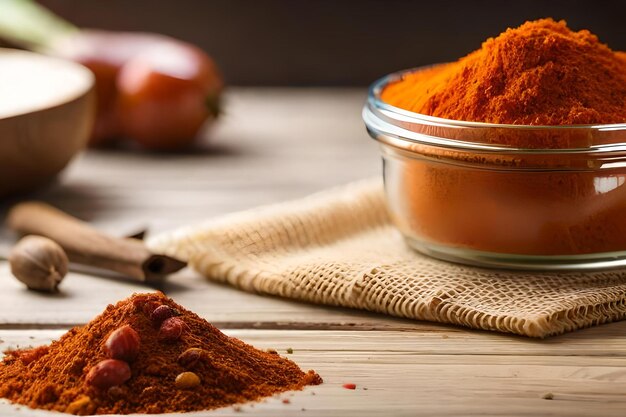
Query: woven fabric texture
x=339, y=248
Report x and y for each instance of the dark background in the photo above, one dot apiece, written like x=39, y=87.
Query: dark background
x=341, y=42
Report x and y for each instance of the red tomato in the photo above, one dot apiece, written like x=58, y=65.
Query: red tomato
x=151, y=88
x=166, y=94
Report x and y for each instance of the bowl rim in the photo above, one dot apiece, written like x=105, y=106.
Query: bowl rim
x=403, y=129
x=84, y=84
x=377, y=87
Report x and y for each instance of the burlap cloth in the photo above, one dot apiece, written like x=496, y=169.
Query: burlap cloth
x=338, y=247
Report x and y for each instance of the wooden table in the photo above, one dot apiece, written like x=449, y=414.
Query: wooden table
x=276, y=144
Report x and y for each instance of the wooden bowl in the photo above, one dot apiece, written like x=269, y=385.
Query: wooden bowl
x=47, y=108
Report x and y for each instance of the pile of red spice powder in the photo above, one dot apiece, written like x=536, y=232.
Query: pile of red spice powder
x=541, y=73
x=57, y=377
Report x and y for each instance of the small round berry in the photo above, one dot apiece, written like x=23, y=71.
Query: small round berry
x=190, y=358
x=161, y=313
x=171, y=329
x=187, y=380
x=123, y=344
x=108, y=373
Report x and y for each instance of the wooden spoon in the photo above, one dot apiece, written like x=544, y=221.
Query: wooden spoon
x=86, y=246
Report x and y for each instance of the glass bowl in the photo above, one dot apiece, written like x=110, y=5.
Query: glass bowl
x=458, y=192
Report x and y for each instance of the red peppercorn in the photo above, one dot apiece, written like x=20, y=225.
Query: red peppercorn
x=161, y=313
x=349, y=386
x=108, y=373
x=123, y=344
x=171, y=329
x=190, y=358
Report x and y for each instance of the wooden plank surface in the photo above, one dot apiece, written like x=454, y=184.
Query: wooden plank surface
x=84, y=296
x=421, y=373
x=272, y=145
x=278, y=144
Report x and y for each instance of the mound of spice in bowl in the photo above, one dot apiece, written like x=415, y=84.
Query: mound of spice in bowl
x=541, y=73
x=146, y=354
x=512, y=156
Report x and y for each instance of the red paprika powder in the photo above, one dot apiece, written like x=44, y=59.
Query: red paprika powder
x=520, y=202
x=121, y=363
x=541, y=73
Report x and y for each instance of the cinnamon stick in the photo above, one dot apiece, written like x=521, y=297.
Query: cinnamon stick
x=87, y=246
